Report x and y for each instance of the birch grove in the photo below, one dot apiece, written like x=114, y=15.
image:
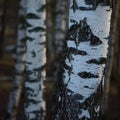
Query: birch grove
x=61, y=59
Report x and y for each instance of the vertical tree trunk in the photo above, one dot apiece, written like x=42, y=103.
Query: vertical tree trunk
x=116, y=42
x=35, y=59
x=50, y=52
x=50, y=15
x=57, y=15
x=17, y=83
x=61, y=25
x=87, y=44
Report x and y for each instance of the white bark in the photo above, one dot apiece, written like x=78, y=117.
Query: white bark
x=17, y=83
x=35, y=59
x=84, y=79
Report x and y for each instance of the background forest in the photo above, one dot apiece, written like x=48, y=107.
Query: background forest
x=59, y=59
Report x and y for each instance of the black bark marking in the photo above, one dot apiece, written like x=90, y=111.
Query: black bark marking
x=94, y=40
x=22, y=19
x=29, y=38
x=28, y=25
x=76, y=51
x=69, y=91
x=23, y=40
x=42, y=43
x=78, y=97
x=28, y=62
x=37, y=29
x=72, y=31
x=101, y=60
x=32, y=81
x=67, y=67
x=84, y=32
x=74, y=6
x=33, y=101
x=41, y=8
x=33, y=53
x=88, y=87
x=73, y=21
x=29, y=89
x=87, y=75
x=32, y=16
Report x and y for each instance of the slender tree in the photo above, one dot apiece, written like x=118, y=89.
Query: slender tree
x=17, y=83
x=50, y=22
x=35, y=59
x=50, y=52
x=61, y=26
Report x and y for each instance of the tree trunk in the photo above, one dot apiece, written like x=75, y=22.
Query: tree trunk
x=17, y=83
x=57, y=15
x=87, y=43
x=116, y=42
x=35, y=60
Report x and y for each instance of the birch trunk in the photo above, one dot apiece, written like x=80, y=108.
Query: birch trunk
x=17, y=83
x=87, y=44
x=35, y=59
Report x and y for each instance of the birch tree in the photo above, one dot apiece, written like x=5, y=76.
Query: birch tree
x=35, y=59
x=84, y=69
x=61, y=26
x=17, y=83
x=57, y=17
